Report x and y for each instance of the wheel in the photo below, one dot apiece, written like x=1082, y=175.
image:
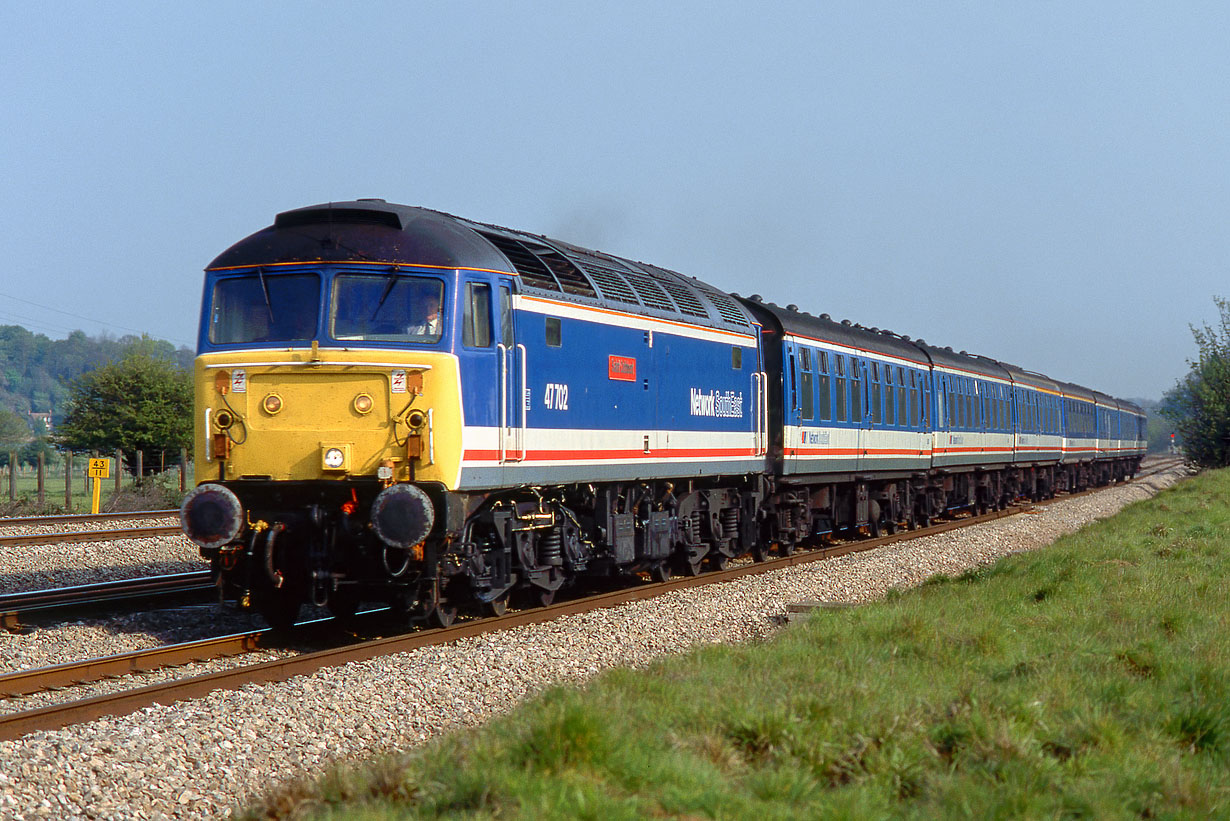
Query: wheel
x=760, y=553
x=497, y=606
x=873, y=528
x=660, y=572
x=443, y=615
x=718, y=561
x=535, y=597
x=890, y=528
x=785, y=548
x=691, y=568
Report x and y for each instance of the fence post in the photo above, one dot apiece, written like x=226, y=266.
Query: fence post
x=183, y=468
x=119, y=468
x=162, y=461
x=12, y=477
x=140, y=464
x=68, y=481
x=42, y=477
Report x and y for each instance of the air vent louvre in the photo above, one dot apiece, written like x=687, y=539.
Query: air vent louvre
x=534, y=273
x=681, y=293
x=726, y=307
x=347, y=216
x=570, y=277
x=610, y=280
x=650, y=293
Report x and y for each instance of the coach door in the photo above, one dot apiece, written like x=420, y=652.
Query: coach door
x=863, y=413
x=512, y=375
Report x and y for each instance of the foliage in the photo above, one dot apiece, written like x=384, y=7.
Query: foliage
x=1199, y=405
x=35, y=371
x=143, y=402
x=1085, y=680
x=14, y=432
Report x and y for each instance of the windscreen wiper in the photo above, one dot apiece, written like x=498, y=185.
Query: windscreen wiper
x=260, y=272
x=388, y=289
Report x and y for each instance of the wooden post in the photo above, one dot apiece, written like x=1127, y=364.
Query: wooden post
x=162, y=461
x=183, y=469
x=119, y=469
x=42, y=478
x=140, y=464
x=68, y=481
x=12, y=477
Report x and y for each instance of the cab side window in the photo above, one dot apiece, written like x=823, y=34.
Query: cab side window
x=476, y=321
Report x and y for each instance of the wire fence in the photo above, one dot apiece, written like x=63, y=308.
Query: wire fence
x=136, y=481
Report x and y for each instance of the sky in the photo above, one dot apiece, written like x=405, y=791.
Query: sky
x=1044, y=183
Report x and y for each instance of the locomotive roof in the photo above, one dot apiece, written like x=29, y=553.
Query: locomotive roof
x=377, y=231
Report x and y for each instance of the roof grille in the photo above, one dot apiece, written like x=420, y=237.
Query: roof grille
x=651, y=295
x=610, y=280
x=726, y=307
x=683, y=296
x=533, y=271
x=570, y=277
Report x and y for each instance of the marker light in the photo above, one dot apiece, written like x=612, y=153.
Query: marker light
x=363, y=403
x=334, y=458
x=272, y=404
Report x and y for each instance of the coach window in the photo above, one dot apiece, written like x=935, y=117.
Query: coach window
x=826, y=398
x=555, y=336
x=736, y=358
x=476, y=327
x=840, y=386
x=890, y=397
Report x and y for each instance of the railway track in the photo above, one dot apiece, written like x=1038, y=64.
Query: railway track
x=70, y=537
x=14, y=725
x=16, y=609
x=85, y=518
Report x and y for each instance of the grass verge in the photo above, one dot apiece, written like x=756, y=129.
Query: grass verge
x=1089, y=679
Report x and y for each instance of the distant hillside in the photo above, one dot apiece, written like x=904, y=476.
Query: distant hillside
x=35, y=371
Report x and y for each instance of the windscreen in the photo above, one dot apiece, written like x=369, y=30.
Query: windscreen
x=264, y=308
x=388, y=307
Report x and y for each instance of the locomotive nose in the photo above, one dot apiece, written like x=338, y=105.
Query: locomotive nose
x=211, y=516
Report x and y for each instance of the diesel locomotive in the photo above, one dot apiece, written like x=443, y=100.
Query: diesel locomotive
x=398, y=405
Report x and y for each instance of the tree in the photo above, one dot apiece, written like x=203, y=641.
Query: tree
x=143, y=402
x=14, y=433
x=1199, y=405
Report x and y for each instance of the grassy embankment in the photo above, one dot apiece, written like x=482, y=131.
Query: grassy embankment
x=1089, y=679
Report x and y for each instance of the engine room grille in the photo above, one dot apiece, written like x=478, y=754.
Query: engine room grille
x=609, y=279
x=683, y=296
x=533, y=271
x=651, y=295
x=726, y=307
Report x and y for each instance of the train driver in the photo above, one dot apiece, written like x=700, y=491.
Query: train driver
x=432, y=324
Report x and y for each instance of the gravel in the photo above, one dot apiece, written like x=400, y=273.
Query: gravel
x=39, y=567
x=203, y=757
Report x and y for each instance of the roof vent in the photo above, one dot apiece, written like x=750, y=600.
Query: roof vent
x=329, y=216
x=826, y=316
x=371, y=199
x=964, y=353
x=874, y=330
x=792, y=307
x=920, y=341
x=906, y=338
x=756, y=298
x=846, y=322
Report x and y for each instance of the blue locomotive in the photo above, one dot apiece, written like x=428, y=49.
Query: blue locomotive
x=398, y=405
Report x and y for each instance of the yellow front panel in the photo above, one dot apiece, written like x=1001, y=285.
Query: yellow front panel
x=314, y=408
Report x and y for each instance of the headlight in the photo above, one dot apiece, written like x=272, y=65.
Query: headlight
x=363, y=403
x=272, y=404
